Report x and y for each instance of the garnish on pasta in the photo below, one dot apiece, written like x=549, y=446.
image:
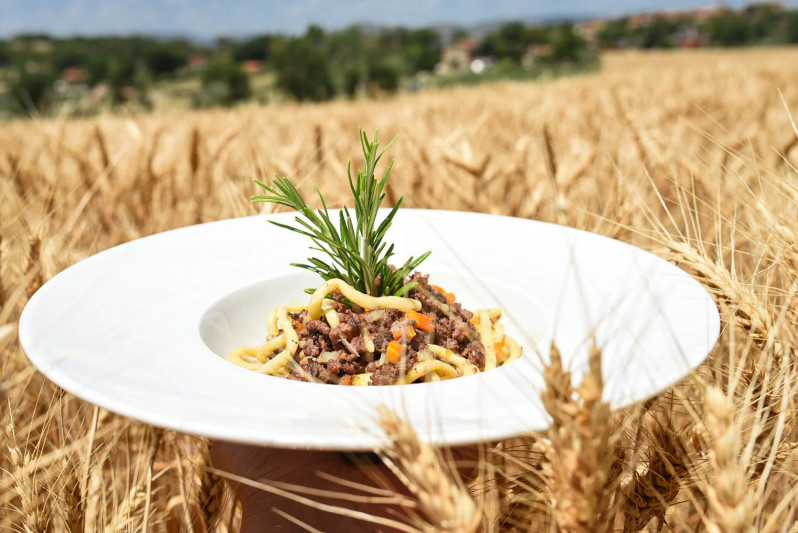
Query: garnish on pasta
x=370, y=322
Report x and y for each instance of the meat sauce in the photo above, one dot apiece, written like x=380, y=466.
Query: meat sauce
x=329, y=354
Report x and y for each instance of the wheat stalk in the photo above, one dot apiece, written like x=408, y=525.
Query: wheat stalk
x=444, y=502
x=730, y=505
x=580, y=448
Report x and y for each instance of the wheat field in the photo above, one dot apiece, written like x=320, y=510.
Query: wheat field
x=691, y=155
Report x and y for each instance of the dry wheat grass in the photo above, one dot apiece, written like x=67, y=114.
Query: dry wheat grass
x=691, y=155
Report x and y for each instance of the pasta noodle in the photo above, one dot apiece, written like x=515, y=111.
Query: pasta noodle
x=291, y=328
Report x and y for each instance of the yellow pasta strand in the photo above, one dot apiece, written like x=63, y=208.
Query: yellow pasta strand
x=515, y=349
x=331, y=315
x=432, y=365
x=260, y=354
x=361, y=380
x=458, y=361
x=485, y=329
x=281, y=360
x=363, y=300
x=423, y=368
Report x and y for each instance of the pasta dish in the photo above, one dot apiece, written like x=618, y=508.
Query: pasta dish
x=371, y=322
x=386, y=340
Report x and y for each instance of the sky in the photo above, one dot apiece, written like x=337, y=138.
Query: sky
x=239, y=18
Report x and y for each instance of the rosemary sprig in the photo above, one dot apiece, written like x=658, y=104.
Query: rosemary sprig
x=356, y=249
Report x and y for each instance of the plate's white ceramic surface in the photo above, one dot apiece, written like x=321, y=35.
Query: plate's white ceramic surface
x=141, y=329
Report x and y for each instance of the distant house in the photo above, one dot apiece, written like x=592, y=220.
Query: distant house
x=637, y=21
x=252, y=66
x=699, y=14
x=197, y=61
x=588, y=29
x=706, y=13
x=535, y=53
x=457, y=56
x=691, y=38
x=99, y=92
x=74, y=75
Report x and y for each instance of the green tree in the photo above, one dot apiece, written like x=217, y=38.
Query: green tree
x=5, y=56
x=729, y=29
x=225, y=83
x=385, y=77
x=303, y=67
x=98, y=68
x=257, y=48
x=614, y=33
x=764, y=21
x=658, y=34
x=353, y=77
x=566, y=45
x=347, y=45
x=791, y=27
x=69, y=57
x=121, y=74
x=32, y=92
x=164, y=58
x=510, y=41
x=460, y=33
x=422, y=50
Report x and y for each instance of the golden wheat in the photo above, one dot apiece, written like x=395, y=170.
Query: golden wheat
x=690, y=155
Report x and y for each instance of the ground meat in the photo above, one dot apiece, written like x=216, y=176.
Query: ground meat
x=312, y=370
x=346, y=351
x=452, y=324
x=388, y=374
x=475, y=354
x=334, y=367
x=311, y=349
x=443, y=328
x=380, y=339
x=385, y=375
x=318, y=325
x=349, y=363
x=343, y=330
x=313, y=338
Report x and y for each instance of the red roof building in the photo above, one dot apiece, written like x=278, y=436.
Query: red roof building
x=74, y=75
x=252, y=66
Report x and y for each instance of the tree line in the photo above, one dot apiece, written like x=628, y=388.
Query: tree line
x=317, y=65
x=320, y=65
x=756, y=24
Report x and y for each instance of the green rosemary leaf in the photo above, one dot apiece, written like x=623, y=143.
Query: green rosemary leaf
x=359, y=255
x=406, y=288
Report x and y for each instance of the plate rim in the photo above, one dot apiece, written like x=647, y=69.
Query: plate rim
x=26, y=335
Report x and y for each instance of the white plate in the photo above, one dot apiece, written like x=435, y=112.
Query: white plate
x=140, y=329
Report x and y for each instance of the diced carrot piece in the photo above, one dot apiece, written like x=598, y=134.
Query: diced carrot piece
x=500, y=350
x=449, y=296
x=422, y=321
x=408, y=333
x=346, y=380
x=394, y=352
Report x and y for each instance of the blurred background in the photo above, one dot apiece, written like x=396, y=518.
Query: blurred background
x=666, y=124
x=82, y=57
